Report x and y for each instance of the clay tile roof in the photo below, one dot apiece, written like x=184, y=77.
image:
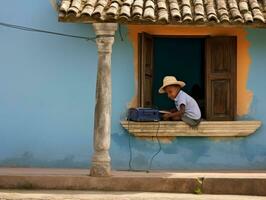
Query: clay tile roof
x=246, y=12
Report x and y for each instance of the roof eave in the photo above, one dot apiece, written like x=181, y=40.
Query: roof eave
x=90, y=20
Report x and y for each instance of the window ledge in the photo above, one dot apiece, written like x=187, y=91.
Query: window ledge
x=205, y=128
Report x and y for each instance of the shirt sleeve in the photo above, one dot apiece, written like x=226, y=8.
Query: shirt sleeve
x=182, y=100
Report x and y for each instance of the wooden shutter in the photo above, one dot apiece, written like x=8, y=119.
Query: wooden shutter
x=221, y=78
x=145, y=69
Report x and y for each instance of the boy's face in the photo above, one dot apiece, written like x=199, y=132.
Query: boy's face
x=172, y=91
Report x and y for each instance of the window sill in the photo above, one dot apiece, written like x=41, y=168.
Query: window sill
x=205, y=128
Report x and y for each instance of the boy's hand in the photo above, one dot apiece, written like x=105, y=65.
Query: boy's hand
x=167, y=116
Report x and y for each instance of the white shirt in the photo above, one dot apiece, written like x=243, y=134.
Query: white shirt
x=191, y=107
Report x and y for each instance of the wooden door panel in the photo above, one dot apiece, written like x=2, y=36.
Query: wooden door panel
x=220, y=82
x=222, y=57
x=148, y=92
x=146, y=69
x=220, y=96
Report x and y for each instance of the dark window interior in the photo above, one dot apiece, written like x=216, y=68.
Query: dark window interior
x=184, y=59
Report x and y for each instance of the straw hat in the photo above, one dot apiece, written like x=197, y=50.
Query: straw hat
x=170, y=80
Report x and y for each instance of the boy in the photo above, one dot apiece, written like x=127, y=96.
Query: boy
x=187, y=108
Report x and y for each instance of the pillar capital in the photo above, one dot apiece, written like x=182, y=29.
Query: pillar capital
x=104, y=29
x=104, y=44
x=105, y=36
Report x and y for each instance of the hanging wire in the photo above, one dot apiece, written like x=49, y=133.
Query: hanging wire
x=160, y=147
x=30, y=29
x=130, y=150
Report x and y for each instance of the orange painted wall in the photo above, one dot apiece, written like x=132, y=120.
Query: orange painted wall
x=244, y=96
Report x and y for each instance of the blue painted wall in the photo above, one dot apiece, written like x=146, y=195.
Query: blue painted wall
x=47, y=92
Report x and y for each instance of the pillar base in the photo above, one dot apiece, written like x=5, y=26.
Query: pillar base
x=100, y=169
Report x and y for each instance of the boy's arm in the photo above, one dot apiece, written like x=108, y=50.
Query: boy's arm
x=173, y=110
x=177, y=113
x=180, y=112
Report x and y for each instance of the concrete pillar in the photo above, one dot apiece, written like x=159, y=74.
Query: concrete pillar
x=101, y=161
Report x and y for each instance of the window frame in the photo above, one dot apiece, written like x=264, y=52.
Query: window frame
x=206, y=98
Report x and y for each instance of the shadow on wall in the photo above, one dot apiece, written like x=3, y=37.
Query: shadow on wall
x=184, y=153
x=27, y=159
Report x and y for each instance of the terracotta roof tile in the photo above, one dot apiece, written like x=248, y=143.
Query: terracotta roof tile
x=165, y=11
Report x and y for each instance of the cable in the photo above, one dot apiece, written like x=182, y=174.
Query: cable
x=130, y=153
x=129, y=144
x=130, y=150
x=30, y=29
x=160, y=147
